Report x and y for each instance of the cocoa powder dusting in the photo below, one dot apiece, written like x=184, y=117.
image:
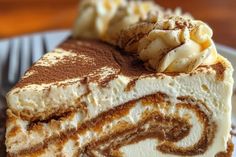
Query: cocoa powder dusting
x=101, y=54
x=220, y=69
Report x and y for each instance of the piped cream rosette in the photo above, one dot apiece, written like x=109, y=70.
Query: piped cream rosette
x=94, y=16
x=99, y=18
x=125, y=16
x=177, y=45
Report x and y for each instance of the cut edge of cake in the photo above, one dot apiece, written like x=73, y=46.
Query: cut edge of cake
x=108, y=108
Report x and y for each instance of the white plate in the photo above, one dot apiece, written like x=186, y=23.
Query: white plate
x=56, y=37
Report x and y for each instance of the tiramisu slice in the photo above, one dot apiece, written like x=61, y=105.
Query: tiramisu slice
x=154, y=87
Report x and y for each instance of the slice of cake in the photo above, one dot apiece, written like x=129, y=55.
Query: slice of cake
x=154, y=87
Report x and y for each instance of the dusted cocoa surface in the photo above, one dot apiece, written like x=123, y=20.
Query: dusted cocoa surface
x=101, y=54
x=98, y=55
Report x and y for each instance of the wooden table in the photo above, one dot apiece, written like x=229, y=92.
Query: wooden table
x=26, y=16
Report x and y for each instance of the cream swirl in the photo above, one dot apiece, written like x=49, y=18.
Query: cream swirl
x=94, y=16
x=172, y=44
x=178, y=44
x=133, y=12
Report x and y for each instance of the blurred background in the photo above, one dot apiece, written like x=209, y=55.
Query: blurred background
x=26, y=16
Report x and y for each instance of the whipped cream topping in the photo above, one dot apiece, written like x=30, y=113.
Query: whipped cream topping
x=94, y=16
x=176, y=43
x=130, y=14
